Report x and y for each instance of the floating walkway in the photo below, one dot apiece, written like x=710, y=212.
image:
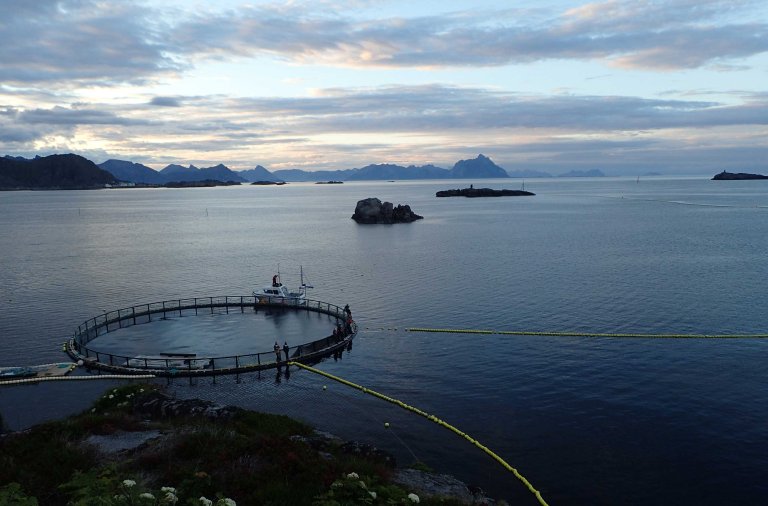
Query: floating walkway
x=80, y=346
x=33, y=373
x=589, y=334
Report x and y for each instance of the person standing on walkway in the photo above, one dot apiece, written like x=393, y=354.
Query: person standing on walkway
x=277, y=353
x=286, y=348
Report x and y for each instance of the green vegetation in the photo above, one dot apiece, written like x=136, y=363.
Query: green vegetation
x=247, y=458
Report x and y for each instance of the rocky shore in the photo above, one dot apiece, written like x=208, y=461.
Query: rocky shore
x=139, y=435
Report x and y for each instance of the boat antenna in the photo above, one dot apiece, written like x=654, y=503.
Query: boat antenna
x=303, y=284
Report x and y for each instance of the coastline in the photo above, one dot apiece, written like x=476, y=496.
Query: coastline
x=140, y=432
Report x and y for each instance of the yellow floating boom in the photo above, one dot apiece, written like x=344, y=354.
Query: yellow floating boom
x=589, y=334
x=431, y=418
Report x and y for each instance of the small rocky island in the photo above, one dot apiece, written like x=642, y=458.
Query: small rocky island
x=483, y=192
x=739, y=176
x=372, y=210
x=268, y=183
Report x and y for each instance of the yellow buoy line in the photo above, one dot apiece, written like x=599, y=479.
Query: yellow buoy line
x=589, y=334
x=431, y=418
x=76, y=378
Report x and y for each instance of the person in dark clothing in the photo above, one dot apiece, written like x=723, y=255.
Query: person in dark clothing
x=348, y=311
x=277, y=352
x=286, y=348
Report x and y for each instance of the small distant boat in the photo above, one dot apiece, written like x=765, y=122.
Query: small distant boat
x=278, y=293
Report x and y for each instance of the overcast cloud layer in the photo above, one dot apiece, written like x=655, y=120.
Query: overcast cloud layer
x=98, y=78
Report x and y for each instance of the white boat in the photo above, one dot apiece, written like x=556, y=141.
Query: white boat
x=278, y=293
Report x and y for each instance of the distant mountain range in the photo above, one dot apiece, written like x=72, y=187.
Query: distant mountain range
x=480, y=167
x=583, y=173
x=138, y=173
x=477, y=168
x=68, y=171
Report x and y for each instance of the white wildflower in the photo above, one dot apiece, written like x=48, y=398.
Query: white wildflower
x=168, y=489
x=372, y=494
x=337, y=484
x=141, y=390
x=128, y=483
x=226, y=502
x=147, y=495
x=352, y=476
x=171, y=498
x=413, y=498
x=111, y=396
x=362, y=484
x=205, y=501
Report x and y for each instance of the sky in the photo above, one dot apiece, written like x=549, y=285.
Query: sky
x=627, y=87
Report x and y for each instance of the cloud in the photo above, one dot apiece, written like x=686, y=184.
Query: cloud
x=83, y=41
x=88, y=42
x=347, y=127
x=73, y=116
x=649, y=35
x=445, y=108
x=165, y=101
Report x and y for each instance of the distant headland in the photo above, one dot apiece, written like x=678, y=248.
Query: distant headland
x=70, y=171
x=738, y=176
x=472, y=192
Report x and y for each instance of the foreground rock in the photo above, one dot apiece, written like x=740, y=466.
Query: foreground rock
x=483, y=192
x=730, y=176
x=372, y=210
x=441, y=485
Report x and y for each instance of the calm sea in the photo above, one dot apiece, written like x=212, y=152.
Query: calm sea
x=589, y=421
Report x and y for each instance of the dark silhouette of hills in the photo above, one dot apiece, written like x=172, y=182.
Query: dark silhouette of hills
x=480, y=167
x=295, y=175
x=583, y=173
x=130, y=172
x=218, y=173
x=738, y=176
x=476, y=168
x=133, y=172
x=389, y=171
x=205, y=183
x=257, y=174
x=66, y=172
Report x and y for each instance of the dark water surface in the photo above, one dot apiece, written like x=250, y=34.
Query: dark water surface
x=587, y=420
